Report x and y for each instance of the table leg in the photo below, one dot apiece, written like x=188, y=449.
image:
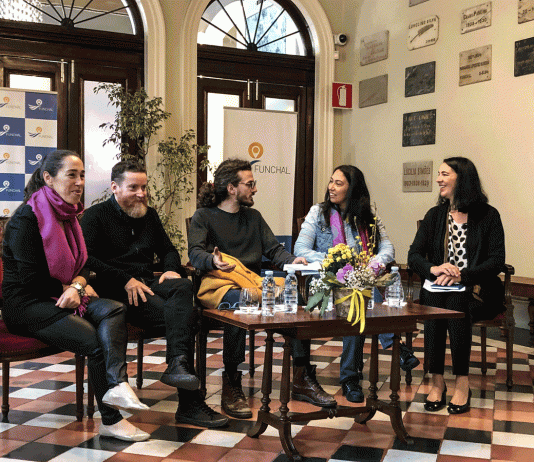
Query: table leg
x=284, y=430
x=372, y=400
x=266, y=389
x=394, y=410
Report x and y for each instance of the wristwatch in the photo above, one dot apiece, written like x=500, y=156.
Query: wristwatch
x=79, y=288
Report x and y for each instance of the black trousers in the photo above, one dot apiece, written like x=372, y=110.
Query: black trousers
x=234, y=339
x=101, y=336
x=460, y=331
x=171, y=307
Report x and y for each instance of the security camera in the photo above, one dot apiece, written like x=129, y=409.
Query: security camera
x=340, y=39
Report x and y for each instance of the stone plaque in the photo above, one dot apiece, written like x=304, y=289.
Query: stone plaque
x=374, y=91
x=419, y=128
x=420, y=79
x=476, y=17
x=524, y=57
x=423, y=32
x=525, y=11
x=416, y=2
x=417, y=176
x=374, y=48
x=475, y=65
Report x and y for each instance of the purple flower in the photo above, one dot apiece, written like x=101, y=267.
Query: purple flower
x=376, y=267
x=340, y=275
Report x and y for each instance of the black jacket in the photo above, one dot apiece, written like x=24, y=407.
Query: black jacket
x=484, y=244
x=121, y=247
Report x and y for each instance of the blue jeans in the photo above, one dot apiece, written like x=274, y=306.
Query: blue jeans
x=351, y=364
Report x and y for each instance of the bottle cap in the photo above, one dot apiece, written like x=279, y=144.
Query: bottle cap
x=394, y=269
x=291, y=271
x=270, y=273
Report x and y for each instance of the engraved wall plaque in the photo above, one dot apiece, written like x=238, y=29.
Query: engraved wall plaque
x=374, y=48
x=417, y=176
x=419, y=128
x=475, y=65
x=374, y=91
x=525, y=11
x=423, y=32
x=524, y=57
x=420, y=79
x=416, y=2
x=476, y=17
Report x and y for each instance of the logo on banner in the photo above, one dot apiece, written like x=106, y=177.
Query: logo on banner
x=6, y=101
x=6, y=185
x=5, y=157
x=255, y=150
x=6, y=212
x=39, y=106
x=38, y=131
x=6, y=130
x=38, y=158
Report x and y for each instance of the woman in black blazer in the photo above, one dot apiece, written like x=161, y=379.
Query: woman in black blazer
x=460, y=243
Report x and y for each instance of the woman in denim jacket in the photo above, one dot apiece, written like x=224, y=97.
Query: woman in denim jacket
x=344, y=214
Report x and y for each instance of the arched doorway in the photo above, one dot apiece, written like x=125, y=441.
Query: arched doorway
x=233, y=70
x=69, y=48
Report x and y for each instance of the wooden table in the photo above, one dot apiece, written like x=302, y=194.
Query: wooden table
x=303, y=325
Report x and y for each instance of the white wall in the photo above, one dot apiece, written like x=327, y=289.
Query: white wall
x=489, y=122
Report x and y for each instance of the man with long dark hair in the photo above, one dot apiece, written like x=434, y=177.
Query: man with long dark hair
x=225, y=222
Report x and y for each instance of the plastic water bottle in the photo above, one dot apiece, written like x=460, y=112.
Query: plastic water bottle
x=291, y=292
x=395, y=293
x=268, y=294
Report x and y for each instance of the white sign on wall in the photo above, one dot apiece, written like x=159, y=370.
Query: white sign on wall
x=476, y=17
x=417, y=176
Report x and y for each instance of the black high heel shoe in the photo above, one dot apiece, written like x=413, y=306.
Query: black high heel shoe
x=460, y=409
x=434, y=406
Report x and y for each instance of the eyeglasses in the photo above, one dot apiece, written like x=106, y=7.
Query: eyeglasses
x=250, y=184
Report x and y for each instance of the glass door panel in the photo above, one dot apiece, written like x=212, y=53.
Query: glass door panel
x=98, y=159
x=216, y=104
x=30, y=82
x=279, y=104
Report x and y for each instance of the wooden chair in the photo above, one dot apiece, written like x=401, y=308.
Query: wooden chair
x=505, y=321
x=15, y=348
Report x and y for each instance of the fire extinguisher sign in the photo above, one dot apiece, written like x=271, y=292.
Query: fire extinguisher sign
x=341, y=95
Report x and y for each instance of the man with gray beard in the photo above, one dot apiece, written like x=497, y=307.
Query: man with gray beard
x=123, y=235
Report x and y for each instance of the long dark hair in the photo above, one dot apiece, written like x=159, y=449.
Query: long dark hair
x=52, y=163
x=468, y=190
x=358, y=209
x=212, y=194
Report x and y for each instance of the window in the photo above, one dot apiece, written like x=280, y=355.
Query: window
x=104, y=15
x=255, y=25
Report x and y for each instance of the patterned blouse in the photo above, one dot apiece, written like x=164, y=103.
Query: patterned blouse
x=457, y=254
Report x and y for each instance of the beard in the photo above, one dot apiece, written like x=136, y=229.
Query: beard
x=244, y=200
x=136, y=210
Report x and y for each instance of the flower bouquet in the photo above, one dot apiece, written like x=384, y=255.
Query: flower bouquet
x=355, y=272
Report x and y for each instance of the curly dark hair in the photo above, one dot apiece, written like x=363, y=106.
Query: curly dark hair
x=212, y=194
x=468, y=190
x=120, y=168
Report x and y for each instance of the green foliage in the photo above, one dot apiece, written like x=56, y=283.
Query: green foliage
x=137, y=121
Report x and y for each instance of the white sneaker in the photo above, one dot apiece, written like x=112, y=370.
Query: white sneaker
x=123, y=397
x=124, y=431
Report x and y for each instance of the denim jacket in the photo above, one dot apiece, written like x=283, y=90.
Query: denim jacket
x=316, y=238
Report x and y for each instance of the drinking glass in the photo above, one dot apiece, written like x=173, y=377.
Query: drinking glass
x=249, y=300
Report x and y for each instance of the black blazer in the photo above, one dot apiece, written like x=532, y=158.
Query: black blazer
x=484, y=244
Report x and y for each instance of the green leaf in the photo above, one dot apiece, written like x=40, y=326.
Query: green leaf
x=313, y=301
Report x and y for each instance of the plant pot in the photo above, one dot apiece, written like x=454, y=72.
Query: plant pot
x=342, y=309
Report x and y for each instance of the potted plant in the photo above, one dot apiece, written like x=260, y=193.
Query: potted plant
x=137, y=122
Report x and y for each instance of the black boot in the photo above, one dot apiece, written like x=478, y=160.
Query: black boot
x=194, y=411
x=179, y=375
x=352, y=389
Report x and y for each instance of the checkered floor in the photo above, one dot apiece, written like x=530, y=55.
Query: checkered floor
x=500, y=425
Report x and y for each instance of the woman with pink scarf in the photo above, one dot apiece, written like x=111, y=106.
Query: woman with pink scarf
x=46, y=294
x=346, y=217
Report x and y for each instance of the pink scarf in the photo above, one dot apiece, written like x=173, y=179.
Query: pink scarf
x=64, y=248
x=338, y=231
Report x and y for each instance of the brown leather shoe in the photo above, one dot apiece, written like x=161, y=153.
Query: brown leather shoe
x=306, y=388
x=233, y=399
